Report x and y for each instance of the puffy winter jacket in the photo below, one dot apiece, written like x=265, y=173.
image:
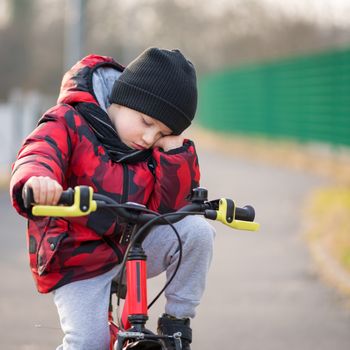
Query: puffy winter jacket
x=65, y=148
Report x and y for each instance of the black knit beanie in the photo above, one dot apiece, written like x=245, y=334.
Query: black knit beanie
x=161, y=84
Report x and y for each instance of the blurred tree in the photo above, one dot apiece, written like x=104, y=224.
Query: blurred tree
x=15, y=45
x=214, y=34
x=32, y=47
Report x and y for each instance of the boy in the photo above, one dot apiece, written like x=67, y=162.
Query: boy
x=119, y=131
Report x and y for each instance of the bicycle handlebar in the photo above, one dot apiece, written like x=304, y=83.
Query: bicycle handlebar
x=82, y=201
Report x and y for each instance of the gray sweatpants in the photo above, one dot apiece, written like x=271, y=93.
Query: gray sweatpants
x=83, y=305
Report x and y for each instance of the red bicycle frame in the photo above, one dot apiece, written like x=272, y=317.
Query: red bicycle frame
x=135, y=311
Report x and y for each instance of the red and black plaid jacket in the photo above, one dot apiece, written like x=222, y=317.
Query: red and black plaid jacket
x=65, y=148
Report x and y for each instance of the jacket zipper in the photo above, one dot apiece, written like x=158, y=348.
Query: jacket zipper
x=124, y=198
x=125, y=194
x=115, y=248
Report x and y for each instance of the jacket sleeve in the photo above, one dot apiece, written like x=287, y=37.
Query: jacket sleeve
x=176, y=174
x=45, y=152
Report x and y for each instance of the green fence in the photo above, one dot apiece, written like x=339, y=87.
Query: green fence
x=306, y=98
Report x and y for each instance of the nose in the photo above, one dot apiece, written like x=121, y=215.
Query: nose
x=149, y=137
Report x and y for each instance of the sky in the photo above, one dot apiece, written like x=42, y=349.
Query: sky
x=334, y=12
x=327, y=12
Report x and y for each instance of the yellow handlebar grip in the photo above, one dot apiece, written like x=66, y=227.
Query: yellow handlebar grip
x=226, y=215
x=83, y=205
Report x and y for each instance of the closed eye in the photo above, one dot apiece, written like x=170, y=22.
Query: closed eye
x=149, y=122
x=146, y=122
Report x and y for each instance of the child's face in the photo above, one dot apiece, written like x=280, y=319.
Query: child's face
x=135, y=129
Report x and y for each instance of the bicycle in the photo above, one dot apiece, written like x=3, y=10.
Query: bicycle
x=129, y=331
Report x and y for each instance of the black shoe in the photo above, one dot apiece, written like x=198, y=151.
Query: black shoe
x=168, y=325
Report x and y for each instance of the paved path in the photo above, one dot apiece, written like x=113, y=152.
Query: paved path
x=262, y=291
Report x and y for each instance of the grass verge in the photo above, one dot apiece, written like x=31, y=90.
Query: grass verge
x=327, y=221
x=328, y=234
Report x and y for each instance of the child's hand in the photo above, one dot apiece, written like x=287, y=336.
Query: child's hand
x=46, y=191
x=170, y=142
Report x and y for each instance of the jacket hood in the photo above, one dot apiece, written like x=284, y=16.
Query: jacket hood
x=78, y=84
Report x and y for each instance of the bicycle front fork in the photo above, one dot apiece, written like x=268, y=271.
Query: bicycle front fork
x=135, y=312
